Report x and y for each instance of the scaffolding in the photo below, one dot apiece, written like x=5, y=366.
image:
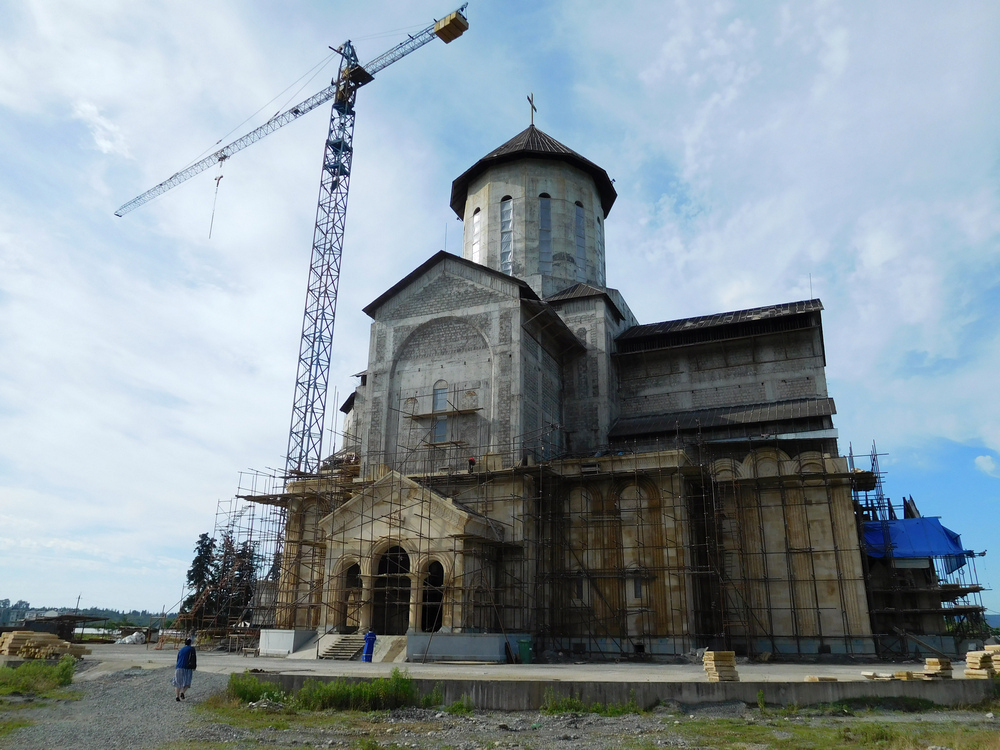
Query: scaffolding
x=918, y=605
x=641, y=550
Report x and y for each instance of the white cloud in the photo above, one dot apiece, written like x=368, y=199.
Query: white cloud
x=988, y=465
x=107, y=136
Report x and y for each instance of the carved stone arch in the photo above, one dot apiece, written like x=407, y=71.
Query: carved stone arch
x=764, y=462
x=636, y=492
x=725, y=469
x=433, y=582
x=577, y=502
x=810, y=462
x=449, y=339
x=346, y=594
x=392, y=586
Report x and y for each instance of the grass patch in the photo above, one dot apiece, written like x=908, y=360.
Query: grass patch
x=856, y=735
x=9, y=725
x=372, y=695
x=553, y=704
x=37, y=677
x=378, y=694
x=462, y=707
x=434, y=698
x=898, y=703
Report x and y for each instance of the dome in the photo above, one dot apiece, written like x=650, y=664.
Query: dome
x=532, y=143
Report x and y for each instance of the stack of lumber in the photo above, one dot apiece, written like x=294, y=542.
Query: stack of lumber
x=979, y=665
x=819, y=678
x=31, y=645
x=904, y=675
x=720, y=666
x=937, y=669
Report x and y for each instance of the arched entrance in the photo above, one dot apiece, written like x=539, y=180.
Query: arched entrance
x=433, y=596
x=352, y=597
x=391, y=611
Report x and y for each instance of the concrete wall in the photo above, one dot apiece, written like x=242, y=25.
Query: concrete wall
x=774, y=367
x=529, y=695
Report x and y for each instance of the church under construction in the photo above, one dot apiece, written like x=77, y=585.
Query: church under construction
x=524, y=460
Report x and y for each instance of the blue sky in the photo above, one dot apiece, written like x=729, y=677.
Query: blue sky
x=759, y=150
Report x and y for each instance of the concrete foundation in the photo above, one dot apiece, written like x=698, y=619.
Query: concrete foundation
x=283, y=642
x=529, y=695
x=485, y=647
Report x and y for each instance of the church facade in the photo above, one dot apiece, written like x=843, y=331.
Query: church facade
x=524, y=457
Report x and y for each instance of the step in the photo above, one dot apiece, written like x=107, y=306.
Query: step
x=344, y=648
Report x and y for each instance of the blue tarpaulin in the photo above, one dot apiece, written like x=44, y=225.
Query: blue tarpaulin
x=916, y=537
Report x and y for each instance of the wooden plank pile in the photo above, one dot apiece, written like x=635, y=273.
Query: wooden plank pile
x=979, y=665
x=937, y=669
x=31, y=645
x=819, y=678
x=720, y=666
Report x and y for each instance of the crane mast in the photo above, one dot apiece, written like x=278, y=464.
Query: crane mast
x=305, y=441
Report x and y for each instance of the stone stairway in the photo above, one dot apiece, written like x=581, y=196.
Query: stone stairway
x=344, y=648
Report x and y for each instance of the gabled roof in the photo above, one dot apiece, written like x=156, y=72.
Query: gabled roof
x=372, y=307
x=532, y=144
x=583, y=291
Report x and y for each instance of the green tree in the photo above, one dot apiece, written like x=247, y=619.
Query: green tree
x=202, y=580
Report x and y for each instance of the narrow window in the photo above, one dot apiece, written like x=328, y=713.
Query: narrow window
x=601, y=281
x=579, y=587
x=439, y=433
x=507, y=235
x=544, y=233
x=581, y=245
x=637, y=587
x=477, y=247
x=440, y=402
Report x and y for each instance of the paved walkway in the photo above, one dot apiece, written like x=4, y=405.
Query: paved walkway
x=113, y=658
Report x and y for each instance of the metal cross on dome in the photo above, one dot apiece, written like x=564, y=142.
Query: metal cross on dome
x=531, y=101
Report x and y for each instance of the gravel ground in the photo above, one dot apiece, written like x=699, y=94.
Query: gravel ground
x=135, y=708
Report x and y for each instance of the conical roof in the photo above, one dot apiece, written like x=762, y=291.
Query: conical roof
x=532, y=143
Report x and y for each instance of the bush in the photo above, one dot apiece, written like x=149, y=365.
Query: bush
x=377, y=694
x=37, y=676
x=462, y=707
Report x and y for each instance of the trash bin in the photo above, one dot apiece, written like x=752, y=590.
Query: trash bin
x=524, y=650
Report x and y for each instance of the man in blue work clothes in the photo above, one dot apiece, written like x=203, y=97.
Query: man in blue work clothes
x=366, y=655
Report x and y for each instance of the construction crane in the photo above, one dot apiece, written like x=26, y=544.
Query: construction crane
x=305, y=441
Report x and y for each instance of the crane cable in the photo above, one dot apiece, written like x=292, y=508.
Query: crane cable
x=215, y=200
x=314, y=71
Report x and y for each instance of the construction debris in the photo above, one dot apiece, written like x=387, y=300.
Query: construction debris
x=816, y=678
x=31, y=645
x=878, y=676
x=720, y=666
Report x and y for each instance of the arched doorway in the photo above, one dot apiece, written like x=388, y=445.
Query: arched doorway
x=433, y=596
x=391, y=611
x=352, y=593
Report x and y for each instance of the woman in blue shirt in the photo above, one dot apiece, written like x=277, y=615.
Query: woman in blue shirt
x=187, y=662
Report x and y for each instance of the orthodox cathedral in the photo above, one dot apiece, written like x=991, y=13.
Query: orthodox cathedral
x=524, y=460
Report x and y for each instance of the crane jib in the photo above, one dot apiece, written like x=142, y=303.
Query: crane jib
x=309, y=404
